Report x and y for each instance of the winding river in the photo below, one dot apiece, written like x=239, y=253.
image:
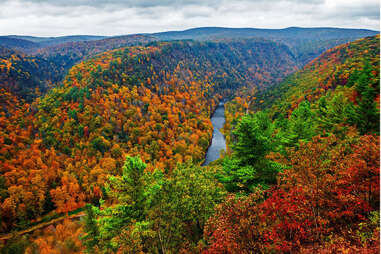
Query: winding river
x=218, y=140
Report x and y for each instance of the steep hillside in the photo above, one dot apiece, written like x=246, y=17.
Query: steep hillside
x=25, y=76
x=307, y=165
x=56, y=55
x=22, y=73
x=340, y=66
x=306, y=43
x=51, y=64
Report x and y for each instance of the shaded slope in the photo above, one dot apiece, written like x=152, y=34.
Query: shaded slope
x=55, y=57
x=306, y=43
x=336, y=67
x=25, y=76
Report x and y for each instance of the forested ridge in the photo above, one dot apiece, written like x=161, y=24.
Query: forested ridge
x=54, y=56
x=123, y=136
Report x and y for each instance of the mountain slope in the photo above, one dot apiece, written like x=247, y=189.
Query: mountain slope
x=306, y=43
x=56, y=55
x=315, y=143
x=22, y=73
x=153, y=101
x=339, y=66
x=25, y=76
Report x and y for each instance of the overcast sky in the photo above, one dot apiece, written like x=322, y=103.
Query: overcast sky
x=116, y=17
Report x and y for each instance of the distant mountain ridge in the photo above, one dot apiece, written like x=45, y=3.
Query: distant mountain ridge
x=289, y=32
x=33, y=43
x=54, y=56
x=200, y=33
x=48, y=41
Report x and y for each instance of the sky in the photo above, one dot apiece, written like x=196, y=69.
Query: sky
x=119, y=17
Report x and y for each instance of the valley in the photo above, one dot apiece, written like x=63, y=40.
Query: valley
x=115, y=129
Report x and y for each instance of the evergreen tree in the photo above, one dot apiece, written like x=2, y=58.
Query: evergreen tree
x=300, y=127
x=252, y=138
x=248, y=167
x=366, y=115
x=127, y=191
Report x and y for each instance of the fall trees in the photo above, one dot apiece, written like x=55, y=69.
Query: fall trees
x=326, y=190
x=151, y=101
x=326, y=196
x=303, y=175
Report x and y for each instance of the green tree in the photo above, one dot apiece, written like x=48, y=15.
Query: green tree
x=367, y=115
x=248, y=167
x=252, y=138
x=182, y=207
x=300, y=127
x=153, y=213
x=333, y=113
x=127, y=192
x=90, y=240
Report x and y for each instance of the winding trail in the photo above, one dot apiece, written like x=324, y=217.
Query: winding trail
x=39, y=226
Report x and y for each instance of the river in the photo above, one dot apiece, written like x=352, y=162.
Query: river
x=218, y=140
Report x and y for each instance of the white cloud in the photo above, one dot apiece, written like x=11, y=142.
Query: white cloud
x=115, y=17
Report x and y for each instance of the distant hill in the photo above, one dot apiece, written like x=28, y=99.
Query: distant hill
x=320, y=33
x=306, y=43
x=49, y=41
x=19, y=44
x=29, y=44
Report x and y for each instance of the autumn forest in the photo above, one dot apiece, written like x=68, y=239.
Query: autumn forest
x=103, y=142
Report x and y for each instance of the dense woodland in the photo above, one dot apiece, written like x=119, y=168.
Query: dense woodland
x=120, y=140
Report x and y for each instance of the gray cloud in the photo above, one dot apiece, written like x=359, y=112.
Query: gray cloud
x=114, y=17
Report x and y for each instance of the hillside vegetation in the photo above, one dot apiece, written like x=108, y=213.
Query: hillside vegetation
x=54, y=56
x=315, y=149
x=124, y=133
x=122, y=102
